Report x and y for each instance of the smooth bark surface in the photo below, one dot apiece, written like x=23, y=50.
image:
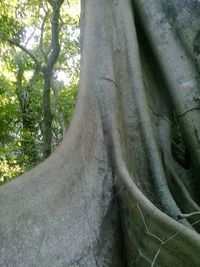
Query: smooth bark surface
x=110, y=194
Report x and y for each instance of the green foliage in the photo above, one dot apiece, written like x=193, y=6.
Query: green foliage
x=68, y=99
x=9, y=165
x=10, y=27
x=9, y=110
x=9, y=132
x=21, y=91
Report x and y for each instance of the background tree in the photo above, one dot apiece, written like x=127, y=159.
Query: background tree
x=45, y=21
x=26, y=79
x=137, y=74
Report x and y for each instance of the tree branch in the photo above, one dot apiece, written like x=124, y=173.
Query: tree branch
x=182, y=216
x=30, y=37
x=56, y=5
x=41, y=46
x=16, y=43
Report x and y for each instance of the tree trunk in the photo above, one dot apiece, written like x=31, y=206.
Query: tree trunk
x=47, y=135
x=47, y=75
x=110, y=195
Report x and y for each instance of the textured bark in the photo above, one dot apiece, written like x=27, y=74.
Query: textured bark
x=48, y=116
x=65, y=212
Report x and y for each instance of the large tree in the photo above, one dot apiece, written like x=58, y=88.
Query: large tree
x=114, y=193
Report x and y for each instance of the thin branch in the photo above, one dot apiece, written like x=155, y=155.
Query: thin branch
x=43, y=7
x=30, y=37
x=41, y=46
x=195, y=222
x=16, y=43
x=182, y=216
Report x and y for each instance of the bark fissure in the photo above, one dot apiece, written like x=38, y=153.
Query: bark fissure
x=189, y=110
x=107, y=79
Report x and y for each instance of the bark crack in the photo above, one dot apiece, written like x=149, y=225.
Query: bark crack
x=184, y=113
x=154, y=113
x=108, y=79
x=159, y=115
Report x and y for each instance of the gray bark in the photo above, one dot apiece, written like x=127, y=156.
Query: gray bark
x=65, y=212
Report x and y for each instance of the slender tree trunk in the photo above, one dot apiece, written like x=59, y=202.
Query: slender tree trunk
x=47, y=113
x=111, y=194
x=47, y=75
